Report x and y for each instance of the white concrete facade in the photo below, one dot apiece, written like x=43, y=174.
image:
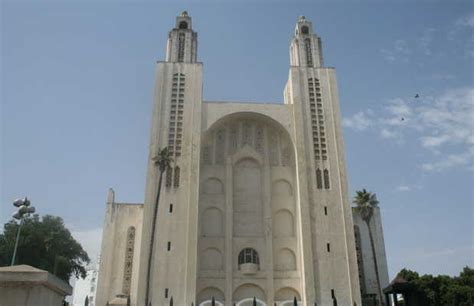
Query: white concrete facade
x=256, y=203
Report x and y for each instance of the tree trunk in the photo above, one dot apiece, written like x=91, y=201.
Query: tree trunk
x=376, y=266
x=152, y=239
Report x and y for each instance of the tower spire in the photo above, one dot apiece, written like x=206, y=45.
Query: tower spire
x=305, y=48
x=182, y=41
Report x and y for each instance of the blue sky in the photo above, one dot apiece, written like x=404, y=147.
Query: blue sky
x=76, y=91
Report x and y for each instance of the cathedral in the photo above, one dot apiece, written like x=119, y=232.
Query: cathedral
x=255, y=207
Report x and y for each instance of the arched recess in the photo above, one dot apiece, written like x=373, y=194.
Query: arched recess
x=247, y=199
x=211, y=260
x=206, y=295
x=282, y=188
x=286, y=294
x=285, y=260
x=213, y=186
x=244, y=294
x=212, y=223
x=266, y=135
x=283, y=224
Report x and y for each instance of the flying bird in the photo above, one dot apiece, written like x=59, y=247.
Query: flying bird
x=417, y=96
x=402, y=119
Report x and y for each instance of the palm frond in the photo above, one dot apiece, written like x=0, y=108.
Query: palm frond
x=163, y=159
x=365, y=202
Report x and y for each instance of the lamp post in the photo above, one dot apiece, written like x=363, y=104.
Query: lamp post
x=24, y=209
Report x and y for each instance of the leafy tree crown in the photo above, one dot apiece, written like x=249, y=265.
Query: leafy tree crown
x=45, y=244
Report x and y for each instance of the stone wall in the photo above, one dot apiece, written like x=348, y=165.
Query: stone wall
x=24, y=285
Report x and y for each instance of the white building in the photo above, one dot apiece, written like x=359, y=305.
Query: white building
x=86, y=287
x=256, y=205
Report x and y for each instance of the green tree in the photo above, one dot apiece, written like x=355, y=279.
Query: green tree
x=163, y=162
x=365, y=203
x=45, y=244
x=443, y=290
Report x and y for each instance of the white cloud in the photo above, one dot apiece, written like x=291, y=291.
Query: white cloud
x=443, y=77
x=359, y=121
x=425, y=42
x=387, y=134
x=398, y=51
x=403, y=188
x=90, y=240
x=401, y=46
x=465, y=21
x=442, y=124
x=452, y=160
x=399, y=107
x=460, y=34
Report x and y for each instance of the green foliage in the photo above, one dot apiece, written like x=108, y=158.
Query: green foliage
x=443, y=290
x=163, y=159
x=45, y=244
x=365, y=202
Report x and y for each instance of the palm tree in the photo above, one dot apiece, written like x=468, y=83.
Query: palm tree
x=163, y=161
x=366, y=202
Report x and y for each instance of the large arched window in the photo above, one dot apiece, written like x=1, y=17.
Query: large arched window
x=248, y=255
x=181, y=38
x=326, y=179
x=319, y=179
x=309, y=56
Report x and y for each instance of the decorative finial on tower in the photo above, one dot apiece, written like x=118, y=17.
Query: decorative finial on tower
x=302, y=19
x=184, y=13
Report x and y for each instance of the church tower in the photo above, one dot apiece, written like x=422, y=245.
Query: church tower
x=327, y=235
x=255, y=207
x=176, y=122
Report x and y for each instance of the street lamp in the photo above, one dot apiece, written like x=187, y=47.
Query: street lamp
x=24, y=209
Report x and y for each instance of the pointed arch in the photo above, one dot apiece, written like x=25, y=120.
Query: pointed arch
x=326, y=179
x=319, y=179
